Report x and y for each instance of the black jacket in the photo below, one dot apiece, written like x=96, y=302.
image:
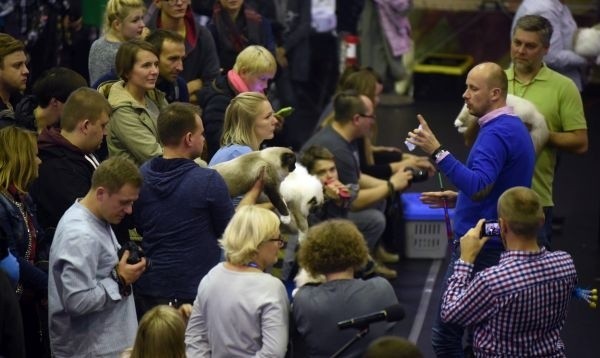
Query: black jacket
x=64, y=175
x=214, y=99
x=22, y=115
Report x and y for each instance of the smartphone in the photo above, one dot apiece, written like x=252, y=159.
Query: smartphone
x=285, y=112
x=490, y=228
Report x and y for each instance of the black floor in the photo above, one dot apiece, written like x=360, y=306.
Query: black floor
x=577, y=198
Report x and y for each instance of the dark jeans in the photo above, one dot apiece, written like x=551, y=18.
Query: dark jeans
x=447, y=338
x=144, y=304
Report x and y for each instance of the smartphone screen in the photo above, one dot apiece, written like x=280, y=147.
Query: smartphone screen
x=491, y=228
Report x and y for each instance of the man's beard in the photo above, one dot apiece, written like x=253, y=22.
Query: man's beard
x=523, y=67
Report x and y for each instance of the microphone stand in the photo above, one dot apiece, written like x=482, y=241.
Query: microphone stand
x=361, y=333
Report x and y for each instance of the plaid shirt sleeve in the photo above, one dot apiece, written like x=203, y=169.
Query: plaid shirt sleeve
x=466, y=301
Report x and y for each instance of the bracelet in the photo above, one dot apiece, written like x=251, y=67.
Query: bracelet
x=391, y=189
x=436, y=152
x=439, y=154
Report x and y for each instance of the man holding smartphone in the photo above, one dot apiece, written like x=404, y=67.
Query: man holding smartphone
x=516, y=308
x=501, y=157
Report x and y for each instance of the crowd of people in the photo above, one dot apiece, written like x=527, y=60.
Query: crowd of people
x=110, y=212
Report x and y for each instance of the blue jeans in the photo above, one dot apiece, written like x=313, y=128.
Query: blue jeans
x=447, y=338
x=371, y=223
x=545, y=233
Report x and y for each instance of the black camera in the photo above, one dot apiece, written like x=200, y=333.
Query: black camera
x=490, y=228
x=135, y=253
x=419, y=175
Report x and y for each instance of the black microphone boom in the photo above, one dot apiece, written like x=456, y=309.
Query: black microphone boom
x=391, y=314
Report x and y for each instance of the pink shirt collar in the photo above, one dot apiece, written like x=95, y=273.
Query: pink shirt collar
x=493, y=114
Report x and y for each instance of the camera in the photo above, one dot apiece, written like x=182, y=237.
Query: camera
x=490, y=228
x=135, y=253
x=419, y=175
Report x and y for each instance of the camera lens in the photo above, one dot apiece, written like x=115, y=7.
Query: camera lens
x=419, y=174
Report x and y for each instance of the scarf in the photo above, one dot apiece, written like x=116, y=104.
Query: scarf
x=237, y=82
x=236, y=36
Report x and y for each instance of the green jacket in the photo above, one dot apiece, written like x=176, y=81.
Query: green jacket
x=132, y=130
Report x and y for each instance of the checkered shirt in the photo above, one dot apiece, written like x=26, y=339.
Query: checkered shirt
x=518, y=307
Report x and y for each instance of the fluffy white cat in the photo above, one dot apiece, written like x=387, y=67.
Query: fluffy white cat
x=533, y=119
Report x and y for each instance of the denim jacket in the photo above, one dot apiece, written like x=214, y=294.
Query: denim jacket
x=13, y=224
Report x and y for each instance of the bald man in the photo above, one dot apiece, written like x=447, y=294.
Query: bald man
x=502, y=157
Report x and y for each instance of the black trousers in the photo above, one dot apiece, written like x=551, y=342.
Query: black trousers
x=144, y=304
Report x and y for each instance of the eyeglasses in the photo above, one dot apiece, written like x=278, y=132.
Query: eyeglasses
x=372, y=116
x=280, y=241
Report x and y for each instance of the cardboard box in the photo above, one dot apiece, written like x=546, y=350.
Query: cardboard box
x=441, y=76
x=425, y=229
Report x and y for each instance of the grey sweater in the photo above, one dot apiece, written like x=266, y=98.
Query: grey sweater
x=102, y=58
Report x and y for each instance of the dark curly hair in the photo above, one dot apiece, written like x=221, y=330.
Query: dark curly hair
x=333, y=246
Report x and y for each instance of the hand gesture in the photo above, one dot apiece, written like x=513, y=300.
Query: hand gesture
x=423, y=137
x=435, y=199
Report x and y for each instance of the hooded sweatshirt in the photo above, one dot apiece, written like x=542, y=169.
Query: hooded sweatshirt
x=65, y=174
x=181, y=212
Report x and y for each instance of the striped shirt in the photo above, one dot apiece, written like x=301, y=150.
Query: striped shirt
x=518, y=307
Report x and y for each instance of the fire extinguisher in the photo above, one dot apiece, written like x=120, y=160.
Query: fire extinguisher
x=349, y=53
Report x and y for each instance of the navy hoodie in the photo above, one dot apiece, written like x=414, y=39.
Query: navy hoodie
x=181, y=212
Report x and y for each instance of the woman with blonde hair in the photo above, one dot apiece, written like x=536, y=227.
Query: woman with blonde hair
x=254, y=67
x=123, y=20
x=18, y=168
x=249, y=120
x=161, y=333
x=240, y=310
x=135, y=102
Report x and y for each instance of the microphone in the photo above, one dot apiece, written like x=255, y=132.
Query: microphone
x=391, y=314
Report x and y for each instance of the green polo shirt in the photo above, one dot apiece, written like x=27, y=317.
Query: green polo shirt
x=558, y=99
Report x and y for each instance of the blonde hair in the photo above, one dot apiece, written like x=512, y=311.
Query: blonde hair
x=239, y=119
x=249, y=227
x=118, y=10
x=17, y=158
x=255, y=60
x=521, y=208
x=161, y=334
